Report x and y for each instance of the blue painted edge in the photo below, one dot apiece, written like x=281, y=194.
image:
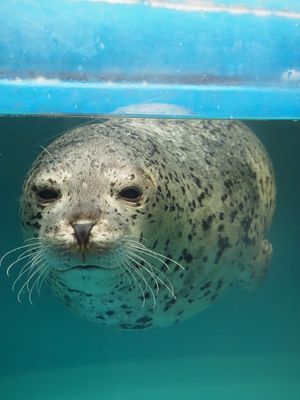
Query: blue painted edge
x=88, y=98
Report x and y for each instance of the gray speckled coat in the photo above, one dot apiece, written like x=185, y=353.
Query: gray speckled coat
x=207, y=200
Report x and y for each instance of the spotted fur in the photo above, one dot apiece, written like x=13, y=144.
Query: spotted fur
x=208, y=200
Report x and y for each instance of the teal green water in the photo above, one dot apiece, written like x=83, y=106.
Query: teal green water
x=245, y=346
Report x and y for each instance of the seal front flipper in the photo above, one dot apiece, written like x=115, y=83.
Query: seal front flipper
x=254, y=272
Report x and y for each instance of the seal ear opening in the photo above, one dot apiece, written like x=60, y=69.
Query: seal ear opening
x=254, y=272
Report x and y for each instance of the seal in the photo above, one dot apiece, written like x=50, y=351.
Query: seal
x=141, y=223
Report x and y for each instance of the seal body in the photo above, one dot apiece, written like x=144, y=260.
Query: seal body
x=142, y=223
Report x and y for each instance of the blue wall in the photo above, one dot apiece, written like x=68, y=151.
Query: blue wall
x=195, y=55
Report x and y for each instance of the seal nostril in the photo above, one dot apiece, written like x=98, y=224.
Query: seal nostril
x=82, y=232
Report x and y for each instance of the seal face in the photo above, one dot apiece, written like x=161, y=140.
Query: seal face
x=139, y=223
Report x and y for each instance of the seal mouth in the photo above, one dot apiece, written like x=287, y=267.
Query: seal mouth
x=87, y=267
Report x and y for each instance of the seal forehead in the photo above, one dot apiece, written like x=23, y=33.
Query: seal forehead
x=115, y=139
x=87, y=172
x=99, y=152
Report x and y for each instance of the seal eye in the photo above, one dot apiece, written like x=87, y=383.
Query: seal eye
x=48, y=195
x=132, y=194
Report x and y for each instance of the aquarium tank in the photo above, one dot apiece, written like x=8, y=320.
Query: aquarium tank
x=163, y=67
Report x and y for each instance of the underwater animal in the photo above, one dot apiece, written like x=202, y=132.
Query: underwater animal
x=142, y=223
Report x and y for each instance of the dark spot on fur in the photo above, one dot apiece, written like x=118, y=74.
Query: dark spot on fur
x=144, y=320
x=206, y=223
x=187, y=256
x=220, y=228
x=206, y=285
x=223, y=244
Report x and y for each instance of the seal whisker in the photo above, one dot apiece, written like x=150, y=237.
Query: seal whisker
x=22, y=257
x=33, y=257
x=15, y=262
x=150, y=253
x=48, y=152
x=147, y=285
x=32, y=262
x=23, y=271
x=155, y=277
x=15, y=249
x=128, y=268
x=120, y=262
x=144, y=279
x=30, y=251
x=35, y=264
x=141, y=266
x=130, y=282
x=137, y=237
x=30, y=276
x=27, y=283
x=30, y=290
x=45, y=273
x=153, y=253
x=152, y=267
x=41, y=270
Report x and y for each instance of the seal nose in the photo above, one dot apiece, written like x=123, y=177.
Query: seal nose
x=82, y=232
